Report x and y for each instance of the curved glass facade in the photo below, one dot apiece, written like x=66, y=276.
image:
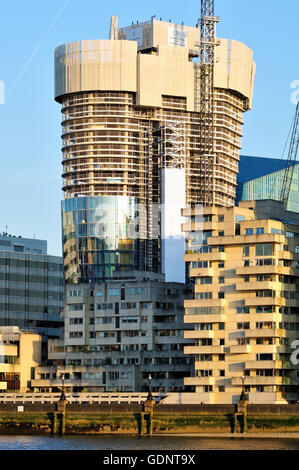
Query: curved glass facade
x=100, y=235
x=269, y=186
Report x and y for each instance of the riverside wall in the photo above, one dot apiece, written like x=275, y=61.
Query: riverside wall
x=96, y=418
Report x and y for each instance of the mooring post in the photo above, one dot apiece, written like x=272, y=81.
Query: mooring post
x=60, y=414
x=242, y=412
x=141, y=424
x=55, y=423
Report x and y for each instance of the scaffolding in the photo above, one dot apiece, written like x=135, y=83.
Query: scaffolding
x=206, y=64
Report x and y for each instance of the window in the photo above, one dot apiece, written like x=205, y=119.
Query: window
x=290, y=234
x=220, y=295
x=204, y=373
x=297, y=249
x=136, y=291
x=264, y=325
x=265, y=293
x=203, y=295
x=104, y=306
x=264, y=250
x=221, y=233
x=75, y=307
x=221, y=357
x=129, y=319
x=222, y=373
x=221, y=388
x=221, y=249
x=239, y=218
x=75, y=293
x=76, y=334
x=265, y=309
x=276, y=230
x=205, y=280
x=249, y=231
x=200, y=264
x=106, y=334
x=205, y=235
x=265, y=262
x=76, y=321
x=259, y=230
x=128, y=305
x=243, y=326
x=221, y=280
x=264, y=357
x=221, y=218
x=242, y=310
x=246, y=250
x=221, y=264
x=104, y=320
x=113, y=292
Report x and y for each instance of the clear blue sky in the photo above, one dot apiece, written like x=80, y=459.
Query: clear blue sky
x=30, y=146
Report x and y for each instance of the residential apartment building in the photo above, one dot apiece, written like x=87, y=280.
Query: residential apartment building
x=20, y=353
x=131, y=143
x=31, y=287
x=244, y=264
x=118, y=333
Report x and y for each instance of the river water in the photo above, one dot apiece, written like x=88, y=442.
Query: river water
x=146, y=443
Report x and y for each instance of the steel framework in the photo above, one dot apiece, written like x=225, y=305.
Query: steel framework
x=207, y=59
x=292, y=155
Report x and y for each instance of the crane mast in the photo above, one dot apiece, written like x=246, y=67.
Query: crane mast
x=292, y=155
x=207, y=58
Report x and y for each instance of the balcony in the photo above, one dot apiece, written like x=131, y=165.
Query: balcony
x=204, y=303
x=246, y=239
x=215, y=318
x=199, y=334
x=203, y=349
x=264, y=365
x=197, y=272
x=265, y=333
x=199, y=381
x=261, y=380
x=268, y=269
x=260, y=301
x=217, y=256
x=3, y=386
x=284, y=255
x=240, y=349
x=256, y=285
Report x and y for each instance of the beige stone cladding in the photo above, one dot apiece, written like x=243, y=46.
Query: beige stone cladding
x=245, y=307
x=127, y=101
x=20, y=353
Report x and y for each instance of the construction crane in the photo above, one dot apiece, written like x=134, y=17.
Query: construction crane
x=206, y=64
x=292, y=155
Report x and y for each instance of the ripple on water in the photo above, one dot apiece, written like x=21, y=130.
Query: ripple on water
x=146, y=443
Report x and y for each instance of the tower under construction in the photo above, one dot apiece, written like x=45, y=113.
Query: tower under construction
x=132, y=133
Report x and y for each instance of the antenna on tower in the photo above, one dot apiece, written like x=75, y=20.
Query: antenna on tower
x=114, y=27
